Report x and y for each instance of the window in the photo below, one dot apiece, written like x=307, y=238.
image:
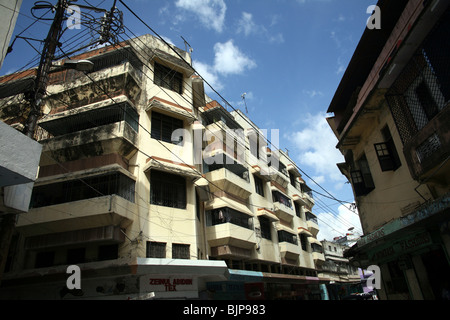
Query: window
x=168, y=78
x=303, y=241
x=265, y=226
x=75, y=256
x=163, y=126
x=281, y=198
x=167, y=190
x=387, y=153
x=81, y=189
x=156, y=249
x=284, y=236
x=228, y=215
x=180, y=251
x=297, y=209
x=44, y=259
x=292, y=178
x=108, y=252
x=259, y=186
x=362, y=179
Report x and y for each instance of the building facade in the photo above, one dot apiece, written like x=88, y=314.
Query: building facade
x=155, y=190
x=391, y=117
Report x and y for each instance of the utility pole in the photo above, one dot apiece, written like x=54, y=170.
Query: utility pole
x=47, y=56
x=51, y=43
x=8, y=223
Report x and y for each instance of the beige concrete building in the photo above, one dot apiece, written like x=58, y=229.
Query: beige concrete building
x=154, y=190
x=391, y=116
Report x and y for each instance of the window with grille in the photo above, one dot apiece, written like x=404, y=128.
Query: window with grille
x=163, y=126
x=284, y=236
x=85, y=188
x=228, y=215
x=168, y=78
x=281, y=198
x=167, y=190
x=180, y=251
x=156, y=249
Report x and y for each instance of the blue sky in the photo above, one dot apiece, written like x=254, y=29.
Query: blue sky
x=288, y=56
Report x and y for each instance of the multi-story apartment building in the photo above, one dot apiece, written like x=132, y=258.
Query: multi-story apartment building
x=391, y=116
x=344, y=277
x=153, y=189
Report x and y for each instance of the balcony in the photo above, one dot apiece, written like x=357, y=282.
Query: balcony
x=312, y=223
x=281, y=178
x=430, y=147
x=283, y=207
x=232, y=178
x=228, y=225
x=288, y=243
x=94, y=212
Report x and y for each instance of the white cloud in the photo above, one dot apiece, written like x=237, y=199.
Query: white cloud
x=211, y=13
x=316, y=144
x=230, y=60
x=209, y=74
x=247, y=25
x=337, y=223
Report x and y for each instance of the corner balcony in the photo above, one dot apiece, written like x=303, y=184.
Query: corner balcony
x=283, y=212
x=278, y=177
x=288, y=244
x=232, y=178
x=119, y=138
x=312, y=223
x=95, y=212
x=231, y=235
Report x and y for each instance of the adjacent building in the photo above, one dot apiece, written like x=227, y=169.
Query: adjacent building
x=391, y=117
x=155, y=190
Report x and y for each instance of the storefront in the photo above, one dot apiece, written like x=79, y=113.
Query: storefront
x=251, y=285
x=412, y=253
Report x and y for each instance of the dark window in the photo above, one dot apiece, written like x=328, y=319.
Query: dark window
x=81, y=189
x=284, y=236
x=259, y=185
x=180, y=251
x=228, y=215
x=156, y=249
x=163, y=127
x=292, y=178
x=362, y=179
x=265, y=226
x=281, y=198
x=297, y=209
x=311, y=217
x=45, y=259
x=387, y=153
x=108, y=252
x=168, y=78
x=303, y=241
x=167, y=190
x=75, y=256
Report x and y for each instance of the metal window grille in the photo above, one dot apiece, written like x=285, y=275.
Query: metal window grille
x=281, y=198
x=428, y=147
x=423, y=87
x=180, y=251
x=82, y=189
x=156, y=249
x=163, y=126
x=168, y=78
x=228, y=215
x=284, y=236
x=167, y=190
